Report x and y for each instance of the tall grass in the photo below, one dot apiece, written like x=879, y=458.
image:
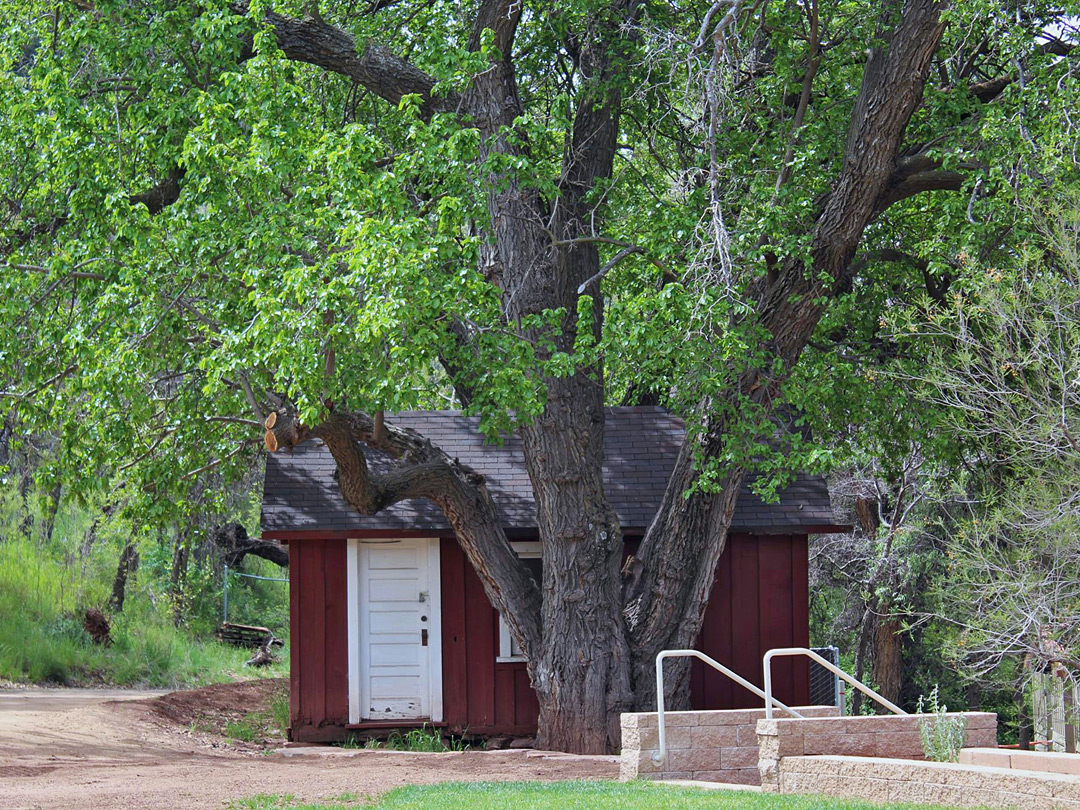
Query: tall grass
x=46, y=586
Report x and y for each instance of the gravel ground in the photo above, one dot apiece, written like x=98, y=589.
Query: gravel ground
x=90, y=750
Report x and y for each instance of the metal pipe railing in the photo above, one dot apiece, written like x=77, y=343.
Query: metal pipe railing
x=661, y=753
x=866, y=690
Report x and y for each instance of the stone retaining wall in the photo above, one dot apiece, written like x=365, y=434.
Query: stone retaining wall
x=892, y=735
x=712, y=746
x=910, y=782
x=1046, y=761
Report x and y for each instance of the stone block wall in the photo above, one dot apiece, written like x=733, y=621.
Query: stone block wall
x=1047, y=761
x=891, y=736
x=712, y=746
x=913, y=782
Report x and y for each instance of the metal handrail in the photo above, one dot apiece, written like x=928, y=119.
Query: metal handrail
x=829, y=665
x=661, y=754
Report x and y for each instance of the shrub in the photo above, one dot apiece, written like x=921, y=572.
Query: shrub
x=942, y=736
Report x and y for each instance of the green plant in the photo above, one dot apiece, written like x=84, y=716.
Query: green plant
x=279, y=711
x=352, y=742
x=942, y=735
x=244, y=730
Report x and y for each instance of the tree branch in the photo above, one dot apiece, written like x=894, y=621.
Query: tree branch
x=384, y=73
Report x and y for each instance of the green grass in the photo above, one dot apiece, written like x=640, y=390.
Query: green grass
x=420, y=740
x=262, y=725
x=42, y=639
x=560, y=796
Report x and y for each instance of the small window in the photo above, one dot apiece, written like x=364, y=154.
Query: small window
x=509, y=650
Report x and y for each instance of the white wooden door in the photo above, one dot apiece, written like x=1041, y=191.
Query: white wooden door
x=398, y=623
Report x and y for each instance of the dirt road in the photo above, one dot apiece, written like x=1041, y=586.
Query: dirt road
x=117, y=755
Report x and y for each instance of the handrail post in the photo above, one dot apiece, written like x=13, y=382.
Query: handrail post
x=661, y=754
x=866, y=690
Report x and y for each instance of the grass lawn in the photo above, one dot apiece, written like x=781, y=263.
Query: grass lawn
x=560, y=795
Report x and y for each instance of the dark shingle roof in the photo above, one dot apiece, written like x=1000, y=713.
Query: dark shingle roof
x=641, y=443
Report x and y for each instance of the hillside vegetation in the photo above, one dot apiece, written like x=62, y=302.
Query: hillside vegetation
x=162, y=637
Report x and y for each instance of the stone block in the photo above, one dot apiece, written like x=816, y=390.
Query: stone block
x=746, y=735
x=694, y=759
x=880, y=723
x=989, y=757
x=768, y=727
x=742, y=776
x=714, y=736
x=638, y=719
x=678, y=737
x=922, y=793
x=978, y=777
x=681, y=718
x=906, y=745
x=768, y=771
x=837, y=742
x=731, y=717
x=905, y=770
x=710, y=776
x=644, y=763
x=739, y=776
x=677, y=775
x=865, y=787
x=980, y=719
x=791, y=746
x=629, y=739
x=1046, y=762
x=738, y=757
x=768, y=747
x=981, y=738
x=1065, y=788
x=641, y=738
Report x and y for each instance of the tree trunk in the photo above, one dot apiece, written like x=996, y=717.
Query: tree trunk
x=682, y=548
x=177, y=577
x=581, y=668
x=1023, y=715
x=129, y=562
x=863, y=649
x=51, y=507
x=888, y=658
x=582, y=674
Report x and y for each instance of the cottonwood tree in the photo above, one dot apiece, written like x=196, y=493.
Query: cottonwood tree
x=223, y=215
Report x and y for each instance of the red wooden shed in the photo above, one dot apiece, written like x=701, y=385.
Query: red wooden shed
x=391, y=628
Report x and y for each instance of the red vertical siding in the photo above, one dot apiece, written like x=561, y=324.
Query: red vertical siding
x=759, y=601
x=454, y=669
x=319, y=697
x=480, y=695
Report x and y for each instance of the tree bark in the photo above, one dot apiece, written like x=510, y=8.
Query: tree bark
x=51, y=507
x=177, y=577
x=888, y=658
x=128, y=563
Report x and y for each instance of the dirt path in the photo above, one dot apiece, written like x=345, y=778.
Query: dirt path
x=119, y=755
x=53, y=700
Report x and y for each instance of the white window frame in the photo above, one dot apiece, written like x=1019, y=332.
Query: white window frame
x=526, y=550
